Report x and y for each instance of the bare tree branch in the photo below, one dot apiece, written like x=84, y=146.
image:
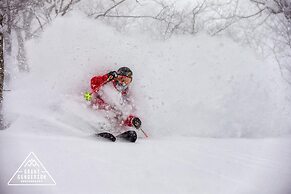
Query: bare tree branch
x=108, y=10
x=68, y=6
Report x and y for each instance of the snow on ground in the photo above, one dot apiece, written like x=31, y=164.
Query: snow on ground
x=158, y=165
x=184, y=89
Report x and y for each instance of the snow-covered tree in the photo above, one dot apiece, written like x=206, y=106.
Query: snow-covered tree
x=275, y=6
x=27, y=18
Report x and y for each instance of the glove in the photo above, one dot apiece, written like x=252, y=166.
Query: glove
x=136, y=122
x=88, y=96
x=112, y=75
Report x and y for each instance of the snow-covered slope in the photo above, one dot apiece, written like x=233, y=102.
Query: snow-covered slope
x=185, y=88
x=158, y=165
x=213, y=85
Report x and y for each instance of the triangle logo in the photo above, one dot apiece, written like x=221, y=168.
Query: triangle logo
x=31, y=172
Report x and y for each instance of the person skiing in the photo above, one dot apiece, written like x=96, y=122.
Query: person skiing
x=120, y=80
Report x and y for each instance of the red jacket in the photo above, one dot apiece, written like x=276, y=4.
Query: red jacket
x=98, y=81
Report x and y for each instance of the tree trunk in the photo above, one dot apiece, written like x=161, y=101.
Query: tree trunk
x=21, y=55
x=27, y=21
x=7, y=38
x=1, y=70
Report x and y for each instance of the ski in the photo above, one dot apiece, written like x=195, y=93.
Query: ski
x=130, y=136
x=107, y=135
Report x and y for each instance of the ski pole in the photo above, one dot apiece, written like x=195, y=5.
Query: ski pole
x=144, y=133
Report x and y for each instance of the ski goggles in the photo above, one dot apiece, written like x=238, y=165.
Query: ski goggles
x=124, y=79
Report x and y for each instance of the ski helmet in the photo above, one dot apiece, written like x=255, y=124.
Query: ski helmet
x=124, y=71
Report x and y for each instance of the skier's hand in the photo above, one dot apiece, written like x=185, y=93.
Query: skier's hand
x=136, y=122
x=112, y=75
x=88, y=96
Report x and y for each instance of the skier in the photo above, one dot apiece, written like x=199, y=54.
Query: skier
x=120, y=80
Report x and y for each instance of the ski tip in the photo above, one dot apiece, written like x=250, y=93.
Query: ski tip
x=130, y=136
x=107, y=136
